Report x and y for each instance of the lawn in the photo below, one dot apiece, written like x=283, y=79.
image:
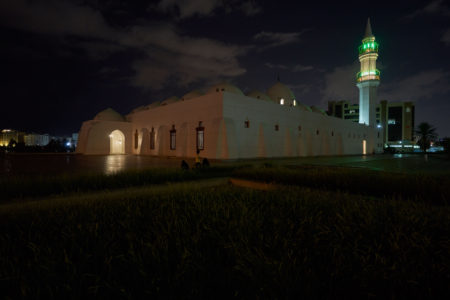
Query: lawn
x=196, y=236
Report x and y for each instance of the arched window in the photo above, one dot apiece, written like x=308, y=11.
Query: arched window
x=173, y=138
x=200, y=136
x=152, y=139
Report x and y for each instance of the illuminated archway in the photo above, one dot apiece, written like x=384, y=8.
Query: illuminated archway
x=364, y=145
x=116, y=142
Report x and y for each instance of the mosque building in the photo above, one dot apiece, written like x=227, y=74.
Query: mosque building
x=223, y=123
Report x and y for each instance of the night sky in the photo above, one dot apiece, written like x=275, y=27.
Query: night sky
x=64, y=61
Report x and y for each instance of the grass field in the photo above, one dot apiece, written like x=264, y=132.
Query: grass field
x=322, y=233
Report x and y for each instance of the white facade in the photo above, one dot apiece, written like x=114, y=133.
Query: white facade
x=34, y=139
x=367, y=102
x=226, y=124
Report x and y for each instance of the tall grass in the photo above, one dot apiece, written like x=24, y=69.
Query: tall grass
x=192, y=242
x=426, y=188
x=38, y=186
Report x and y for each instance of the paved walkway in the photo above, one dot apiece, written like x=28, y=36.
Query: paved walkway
x=55, y=164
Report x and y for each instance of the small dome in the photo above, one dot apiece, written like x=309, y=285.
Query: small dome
x=153, y=105
x=279, y=92
x=137, y=109
x=170, y=100
x=109, y=114
x=225, y=87
x=258, y=95
x=192, y=94
x=304, y=107
x=318, y=110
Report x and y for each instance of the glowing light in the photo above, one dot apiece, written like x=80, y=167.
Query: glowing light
x=282, y=101
x=378, y=126
x=294, y=102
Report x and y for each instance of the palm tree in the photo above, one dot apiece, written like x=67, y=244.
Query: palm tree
x=426, y=133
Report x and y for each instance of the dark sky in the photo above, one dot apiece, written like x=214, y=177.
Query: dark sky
x=63, y=61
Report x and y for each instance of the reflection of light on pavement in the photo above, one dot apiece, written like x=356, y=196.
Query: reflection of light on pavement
x=114, y=164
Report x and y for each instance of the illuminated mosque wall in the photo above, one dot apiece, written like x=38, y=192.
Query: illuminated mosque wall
x=224, y=123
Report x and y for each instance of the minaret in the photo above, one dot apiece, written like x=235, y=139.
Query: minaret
x=368, y=79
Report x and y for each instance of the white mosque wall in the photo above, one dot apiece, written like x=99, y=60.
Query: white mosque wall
x=300, y=133
x=223, y=116
x=184, y=117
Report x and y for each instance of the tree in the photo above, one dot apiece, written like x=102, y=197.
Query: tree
x=427, y=134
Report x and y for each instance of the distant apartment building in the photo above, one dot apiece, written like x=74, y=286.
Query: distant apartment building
x=395, y=118
x=74, y=139
x=34, y=139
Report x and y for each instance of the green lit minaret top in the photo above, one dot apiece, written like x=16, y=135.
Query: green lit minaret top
x=368, y=54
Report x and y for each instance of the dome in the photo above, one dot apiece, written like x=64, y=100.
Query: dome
x=137, y=109
x=318, y=110
x=225, y=87
x=170, y=100
x=279, y=92
x=304, y=107
x=153, y=105
x=258, y=95
x=109, y=114
x=192, y=94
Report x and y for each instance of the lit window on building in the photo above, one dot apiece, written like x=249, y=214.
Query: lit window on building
x=173, y=138
x=152, y=139
x=391, y=122
x=408, y=109
x=282, y=101
x=200, y=136
x=294, y=102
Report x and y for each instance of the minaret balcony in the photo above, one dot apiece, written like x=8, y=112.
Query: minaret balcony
x=368, y=75
x=368, y=47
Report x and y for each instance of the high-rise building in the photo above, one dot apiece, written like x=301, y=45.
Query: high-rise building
x=397, y=121
x=35, y=139
x=368, y=79
x=394, y=119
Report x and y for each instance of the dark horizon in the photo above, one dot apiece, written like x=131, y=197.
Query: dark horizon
x=65, y=61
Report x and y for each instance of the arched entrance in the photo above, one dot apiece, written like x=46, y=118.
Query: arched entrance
x=116, y=142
